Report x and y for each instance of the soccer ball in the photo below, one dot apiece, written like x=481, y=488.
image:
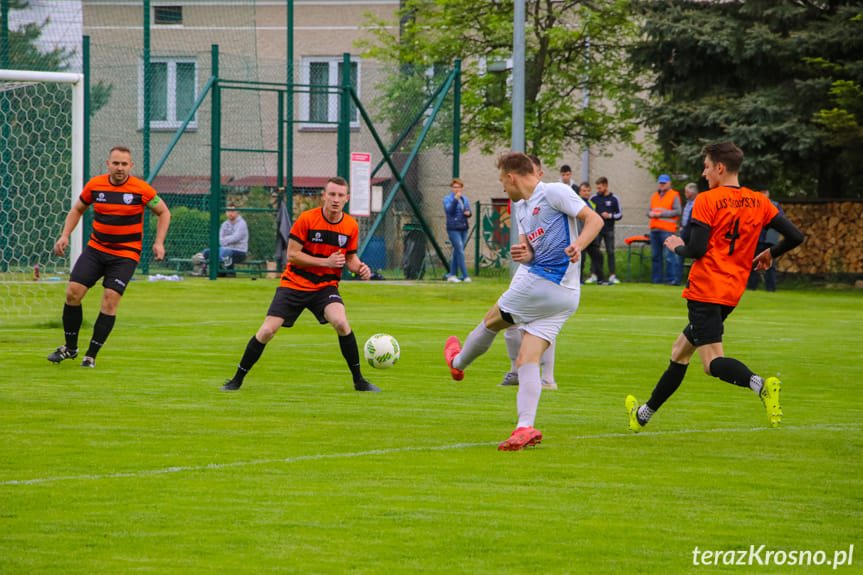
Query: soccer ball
x=381, y=351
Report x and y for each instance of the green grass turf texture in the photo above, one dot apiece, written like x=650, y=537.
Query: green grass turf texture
x=143, y=466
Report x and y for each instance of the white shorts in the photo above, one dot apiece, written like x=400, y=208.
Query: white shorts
x=540, y=306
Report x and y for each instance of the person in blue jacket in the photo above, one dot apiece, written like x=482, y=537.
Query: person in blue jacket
x=457, y=208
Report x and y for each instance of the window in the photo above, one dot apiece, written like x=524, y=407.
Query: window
x=319, y=107
x=173, y=90
x=168, y=15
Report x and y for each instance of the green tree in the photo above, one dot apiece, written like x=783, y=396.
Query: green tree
x=779, y=77
x=571, y=46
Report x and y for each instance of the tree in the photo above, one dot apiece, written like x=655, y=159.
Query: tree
x=572, y=46
x=781, y=78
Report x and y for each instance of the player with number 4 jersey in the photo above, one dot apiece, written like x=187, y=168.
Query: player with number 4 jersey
x=725, y=226
x=735, y=216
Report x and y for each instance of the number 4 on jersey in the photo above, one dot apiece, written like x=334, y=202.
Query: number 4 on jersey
x=732, y=234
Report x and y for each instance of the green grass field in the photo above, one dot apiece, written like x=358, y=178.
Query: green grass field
x=143, y=466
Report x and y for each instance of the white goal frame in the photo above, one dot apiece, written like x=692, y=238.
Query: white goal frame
x=77, y=82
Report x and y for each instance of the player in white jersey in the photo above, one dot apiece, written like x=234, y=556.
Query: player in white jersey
x=512, y=334
x=541, y=300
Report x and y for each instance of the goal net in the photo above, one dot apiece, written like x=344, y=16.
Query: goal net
x=41, y=145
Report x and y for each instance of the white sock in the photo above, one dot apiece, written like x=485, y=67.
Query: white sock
x=546, y=363
x=529, y=389
x=644, y=414
x=476, y=344
x=756, y=384
x=512, y=337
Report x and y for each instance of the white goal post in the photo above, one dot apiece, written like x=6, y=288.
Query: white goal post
x=77, y=84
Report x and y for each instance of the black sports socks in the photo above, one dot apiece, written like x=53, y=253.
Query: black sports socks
x=72, y=318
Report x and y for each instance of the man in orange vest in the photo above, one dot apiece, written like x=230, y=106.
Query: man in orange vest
x=664, y=213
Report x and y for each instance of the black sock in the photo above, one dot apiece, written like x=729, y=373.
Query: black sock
x=101, y=329
x=253, y=352
x=730, y=370
x=348, y=345
x=668, y=384
x=73, y=315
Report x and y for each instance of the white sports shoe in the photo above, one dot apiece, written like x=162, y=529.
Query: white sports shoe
x=591, y=279
x=453, y=280
x=613, y=279
x=467, y=280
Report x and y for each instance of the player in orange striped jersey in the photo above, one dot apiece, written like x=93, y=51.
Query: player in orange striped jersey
x=322, y=242
x=726, y=222
x=114, y=249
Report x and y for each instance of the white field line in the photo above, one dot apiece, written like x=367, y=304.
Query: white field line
x=318, y=457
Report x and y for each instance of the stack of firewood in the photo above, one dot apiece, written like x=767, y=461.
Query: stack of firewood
x=834, y=238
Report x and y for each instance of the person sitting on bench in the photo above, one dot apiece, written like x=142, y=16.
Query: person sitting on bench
x=233, y=243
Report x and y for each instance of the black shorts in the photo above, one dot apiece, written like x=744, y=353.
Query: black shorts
x=705, y=322
x=289, y=303
x=93, y=264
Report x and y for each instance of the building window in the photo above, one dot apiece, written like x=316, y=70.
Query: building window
x=168, y=15
x=319, y=103
x=173, y=90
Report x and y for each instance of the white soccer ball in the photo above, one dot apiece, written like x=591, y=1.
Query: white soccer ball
x=381, y=351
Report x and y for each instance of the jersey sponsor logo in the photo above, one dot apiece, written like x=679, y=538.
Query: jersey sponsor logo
x=101, y=197
x=535, y=234
x=536, y=210
x=127, y=198
x=318, y=238
x=343, y=239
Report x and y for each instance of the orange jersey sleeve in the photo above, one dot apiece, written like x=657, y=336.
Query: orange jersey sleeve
x=735, y=217
x=118, y=223
x=320, y=238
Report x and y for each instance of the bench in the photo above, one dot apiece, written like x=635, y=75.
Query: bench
x=255, y=267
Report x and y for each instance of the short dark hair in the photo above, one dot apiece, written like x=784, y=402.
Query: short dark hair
x=337, y=181
x=724, y=153
x=602, y=180
x=515, y=163
x=565, y=168
x=120, y=149
x=584, y=183
x=536, y=161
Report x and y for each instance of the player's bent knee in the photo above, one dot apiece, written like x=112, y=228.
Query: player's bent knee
x=342, y=328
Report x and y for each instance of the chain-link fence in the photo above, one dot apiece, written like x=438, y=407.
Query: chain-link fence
x=146, y=99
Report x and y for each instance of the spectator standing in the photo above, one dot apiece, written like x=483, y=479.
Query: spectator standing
x=689, y=192
x=664, y=212
x=597, y=274
x=233, y=243
x=607, y=205
x=768, y=238
x=457, y=208
x=566, y=177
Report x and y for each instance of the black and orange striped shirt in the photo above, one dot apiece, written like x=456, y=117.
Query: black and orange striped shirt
x=320, y=238
x=118, y=226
